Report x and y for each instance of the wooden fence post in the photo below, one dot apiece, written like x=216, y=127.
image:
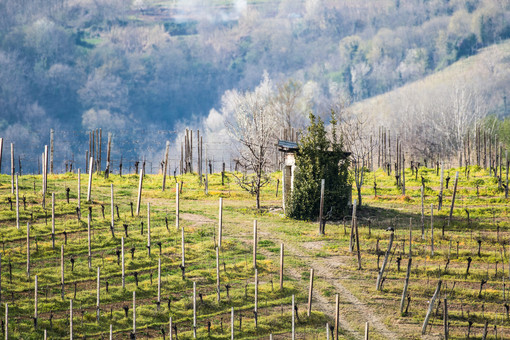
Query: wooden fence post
x=165, y=166
x=337, y=316
x=217, y=275
x=17, y=203
x=293, y=319
x=220, y=222
x=89, y=241
x=79, y=190
x=194, y=309
x=381, y=272
x=255, y=244
x=431, y=307
x=310, y=293
x=35, y=302
x=453, y=197
x=134, y=313
x=123, y=264
x=89, y=188
x=321, y=207
x=431, y=229
x=177, y=205
x=98, y=293
x=281, y=266
x=139, y=200
x=28, y=250
x=149, y=228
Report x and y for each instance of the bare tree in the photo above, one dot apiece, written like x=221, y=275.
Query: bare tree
x=253, y=126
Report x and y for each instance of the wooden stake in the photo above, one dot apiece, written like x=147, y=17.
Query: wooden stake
x=351, y=241
x=165, y=165
x=112, y=210
x=255, y=309
x=445, y=319
x=217, y=275
x=17, y=203
x=310, y=293
x=220, y=223
x=337, y=316
x=71, y=319
x=170, y=328
x=194, y=309
x=53, y=220
x=293, y=319
x=281, y=266
x=159, y=282
x=1, y=151
x=89, y=241
x=12, y=168
x=406, y=284
x=52, y=132
x=183, y=264
x=453, y=197
x=35, y=302
x=98, y=295
x=62, y=269
x=123, y=263
x=89, y=188
x=431, y=307
x=7, y=322
x=231, y=317
x=381, y=272
x=28, y=250
x=440, y=196
x=134, y=313
x=139, y=200
x=111, y=332
x=431, y=229
x=255, y=244
x=79, y=190
x=366, y=330
x=177, y=205
x=149, y=228
x=321, y=208
x=422, y=214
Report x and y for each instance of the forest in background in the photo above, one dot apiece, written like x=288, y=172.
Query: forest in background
x=76, y=65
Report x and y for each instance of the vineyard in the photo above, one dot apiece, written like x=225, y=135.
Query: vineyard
x=183, y=263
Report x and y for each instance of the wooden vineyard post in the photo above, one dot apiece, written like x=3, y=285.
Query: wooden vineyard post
x=177, y=205
x=366, y=331
x=431, y=307
x=406, y=284
x=12, y=168
x=165, y=166
x=35, y=302
x=79, y=191
x=111, y=332
x=357, y=242
x=134, y=314
x=231, y=317
x=431, y=229
x=45, y=170
x=381, y=272
x=351, y=240
x=255, y=244
x=89, y=242
x=123, y=264
x=17, y=203
x=256, y=305
x=310, y=293
x=453, y=197
x=149, y=228
x=28, y=250
x=220, y=221
x=183, y=264
x=440, y=196
x=194, y=310
x=506, y=159
x=7, y=321
x=337, y=316
x=159, y=282
x=108, y=153
x=321, y=207
x=98, y=293
x=170, y=335
x=410, y=236
x=62, y=270
x=112, y=211
x=1, y=151
x=445, y=318
x=422, y=214
x=217, y=275
x=281, y=266
x=0, y=279
x=71, y=319
x=89, y=188
x=293, y=318
x=139, y=200
x=52, y=144
x=53, y=220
